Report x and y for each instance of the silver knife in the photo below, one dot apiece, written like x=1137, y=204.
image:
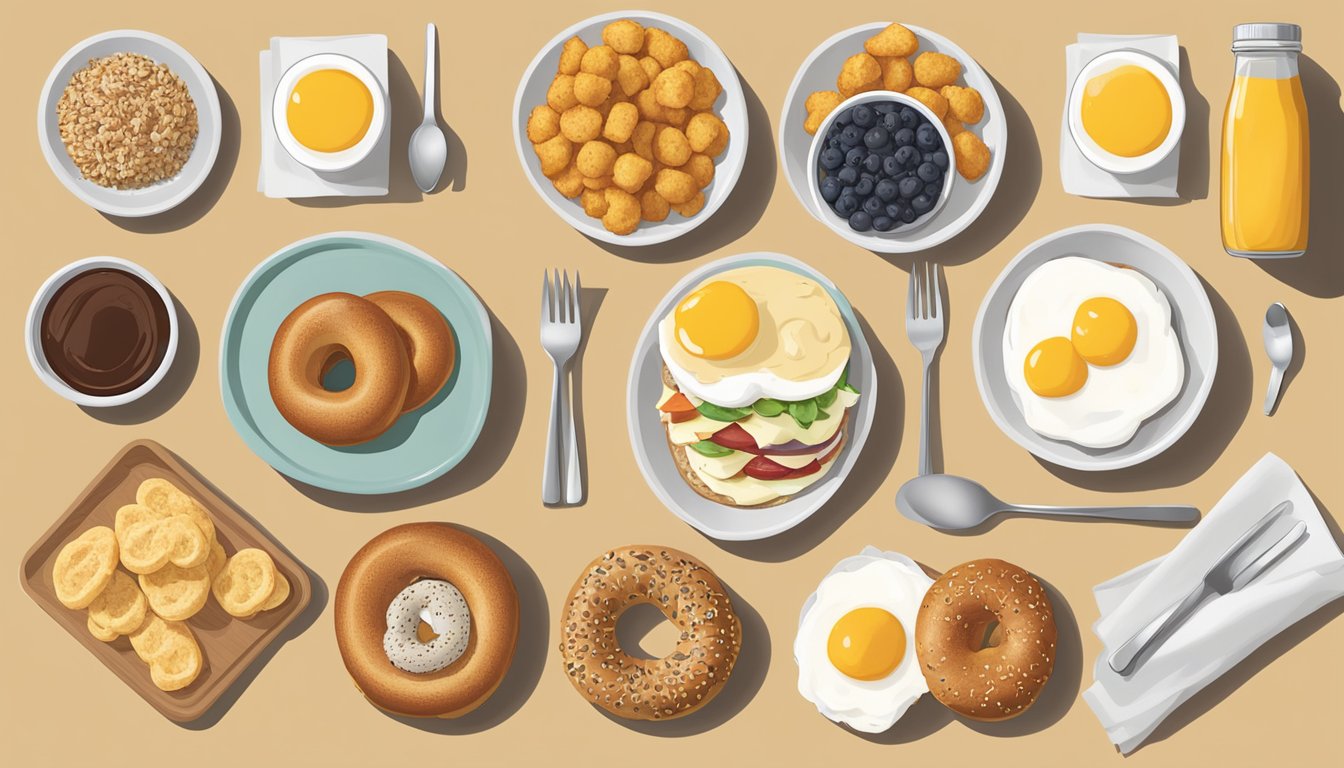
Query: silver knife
x=1246, y=559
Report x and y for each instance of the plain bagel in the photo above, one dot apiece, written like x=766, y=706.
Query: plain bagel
x=379, y=572
x=688, y=594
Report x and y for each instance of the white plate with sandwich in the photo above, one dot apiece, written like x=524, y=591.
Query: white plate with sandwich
x=751, y=393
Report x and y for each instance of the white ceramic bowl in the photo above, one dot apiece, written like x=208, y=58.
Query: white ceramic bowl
x=1093, y=151
x=731, y=107
x=1191, y=316
x=648, y=435
x=328, y=161
x=967, y=201
x=32, y=335
x=905, y=232
x=155, y=198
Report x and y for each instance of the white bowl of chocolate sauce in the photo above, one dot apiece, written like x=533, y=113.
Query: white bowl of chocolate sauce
x=101, y=332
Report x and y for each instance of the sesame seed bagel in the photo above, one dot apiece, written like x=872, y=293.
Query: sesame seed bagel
x=1000, y=680
x=374, y=578
x=688, y=594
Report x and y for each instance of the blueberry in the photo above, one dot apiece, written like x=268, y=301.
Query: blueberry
x=830, y=189
x=873, y=206
x=864, y=187
x=908, y=215
x=885, y=149
x=926, y=137
x=846, y=191
x=845, y=118
x=835, y=143
x=891, y=121
x=886, y=189
x=903, y=138
x=890, y=166
x=909, y=186
x=852, y=135
x=849, y=174
x=894, y=210
x=831, y=158
x=933, y=190
x=884, y=223
x=834, y=130
x=846, y=205
x=922, y=204
x=940, y=159
x=854, y=157
x=864, y=116
x=906, y=157
x=927, y=157
x=860, y=221
x=909, y=117
x=875, y=137
x=928, y=172
x=872, y=163
x=885, y=108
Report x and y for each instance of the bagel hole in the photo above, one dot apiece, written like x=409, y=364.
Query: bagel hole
x=425, y=633
x=642, y=631
x=338, y=373
x=992, y=636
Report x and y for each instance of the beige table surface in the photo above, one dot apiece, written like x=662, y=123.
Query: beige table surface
x=60, y=706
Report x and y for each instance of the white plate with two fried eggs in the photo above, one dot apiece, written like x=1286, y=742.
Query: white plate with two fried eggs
x=1128, y=411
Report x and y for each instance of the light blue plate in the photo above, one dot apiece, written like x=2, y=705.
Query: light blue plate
x=423, y=444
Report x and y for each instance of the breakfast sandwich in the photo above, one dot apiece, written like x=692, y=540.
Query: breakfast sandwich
x=755, y=392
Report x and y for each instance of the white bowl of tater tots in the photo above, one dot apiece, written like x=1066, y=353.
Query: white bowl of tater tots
x=631, y=126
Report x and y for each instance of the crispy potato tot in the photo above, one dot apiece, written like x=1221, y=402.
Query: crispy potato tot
x=860, y=73
x=560, y=96
x=692, y=206
x=623, y=211
x=624, y=36
x=929, y=98
x=642, y=139
x=965, y=104
x=571, y=56
x=542, y=124
x=701, y=168
x=594, y=202
x=665, y=47
x=602, y=61
x=675, y=186
x=702, y=130
x=934, y=70
x=671, y=147
x=654, y=207
x=895, y=40
x=569, y=182
x=621, y=122
x=631, y=171
x=630, y=76
x=819, y=105
x=953, y=125
x=601, y=182
x=972, y=155
x=595, y=159
x=897, y=74
x=677, y=118
x=580, y=123
x=649, y=108
x=674, y=88
x=591, y=90
x=554, y=154
x=707, y=90
x=650, y=66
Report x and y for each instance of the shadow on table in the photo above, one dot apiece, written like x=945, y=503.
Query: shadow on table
x=174, y=384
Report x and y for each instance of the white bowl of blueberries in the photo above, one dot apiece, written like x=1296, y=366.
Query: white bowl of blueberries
x=880, y=165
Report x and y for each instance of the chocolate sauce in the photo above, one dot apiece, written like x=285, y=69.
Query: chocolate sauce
x=105, y=332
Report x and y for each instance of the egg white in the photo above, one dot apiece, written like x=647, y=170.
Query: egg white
x=1115, y=400
x=873, y=578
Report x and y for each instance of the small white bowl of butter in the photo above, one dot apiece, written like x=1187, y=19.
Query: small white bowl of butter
x=329, y=112
x=1126, y=111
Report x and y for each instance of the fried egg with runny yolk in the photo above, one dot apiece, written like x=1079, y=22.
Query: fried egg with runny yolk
x=866, y=643
x=329, y=110
x=718, y=321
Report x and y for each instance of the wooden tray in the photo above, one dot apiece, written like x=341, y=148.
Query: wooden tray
x=229, y=645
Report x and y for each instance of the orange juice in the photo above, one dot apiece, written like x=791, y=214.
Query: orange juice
x=1266, y=147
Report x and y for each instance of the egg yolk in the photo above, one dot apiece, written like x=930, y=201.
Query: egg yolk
x=717, y=321
x=1054, y=368
x=329, y=110
x=1104, y=331
x=866, y=644
x=1126, y=111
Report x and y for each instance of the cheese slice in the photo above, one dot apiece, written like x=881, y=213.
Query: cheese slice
x=747, y=491
x=724, y=467
x=766, y=430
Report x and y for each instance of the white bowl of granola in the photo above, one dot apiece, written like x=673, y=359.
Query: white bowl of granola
x=146, y=145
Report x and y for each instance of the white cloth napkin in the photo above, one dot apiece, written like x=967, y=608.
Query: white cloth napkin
x=1078, y=175
x=1225, y=629
x=283, y=176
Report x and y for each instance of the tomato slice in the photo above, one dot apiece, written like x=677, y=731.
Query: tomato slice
x=810, y=468
x=762, y=468
x=737, y=438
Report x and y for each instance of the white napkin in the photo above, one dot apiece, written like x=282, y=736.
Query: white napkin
x=283, y=176
x=1225, y=629
x=1078, y=175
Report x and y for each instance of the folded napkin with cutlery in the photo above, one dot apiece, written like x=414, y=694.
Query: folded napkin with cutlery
x=1225, y=628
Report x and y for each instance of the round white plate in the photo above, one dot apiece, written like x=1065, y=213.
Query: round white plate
x=1191, y=316
x=968, y=198
x=155, y=198
x=1093, y=151
x=648, y=436
x=731, y=107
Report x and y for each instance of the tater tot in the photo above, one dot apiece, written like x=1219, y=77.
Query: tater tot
x=671, y=147
x=623, y=213
x=953, y=125
x=630, y=76
x=665, y=47
x=600, y=182
x=707, y=89
x=624, y=36
x=595, y=159
x=965, y=104
x=554, y=154
x=673, y=88
x=934, y=70
x=542, y=124
x=631, y=171
x=568, y=182
x=972, y=155
x=895, y=40
x=859, y=73
x=897, y=74
x=571, y=55
x=591, y=89
x=621, y=122
x=692, y=206
x=594, y=202
x=649, y=108
x=655, y=207
x=602, y=61
x=819, y=105
x=929, y=98
x=702, y=130
x=650, y=66
x=675, y=186
x=560, y=96
x=580, y=123
x=642, y=139
x=689, y=66
x=701, y=169
x=677, y=117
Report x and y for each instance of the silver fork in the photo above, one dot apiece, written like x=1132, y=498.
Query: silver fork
x=924, y=325
x=561, y=331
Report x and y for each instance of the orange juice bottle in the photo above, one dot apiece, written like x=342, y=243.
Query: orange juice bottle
x=1266, y=147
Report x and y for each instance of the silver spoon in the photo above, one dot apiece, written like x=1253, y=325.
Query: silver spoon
x=952, y=503
x=428, y=152
x=1279, y=346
